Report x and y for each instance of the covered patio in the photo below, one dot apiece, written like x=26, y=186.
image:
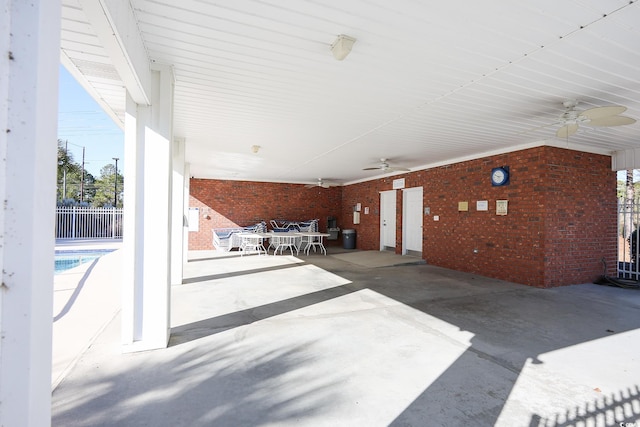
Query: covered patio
x=365, y=338
x=226, y=93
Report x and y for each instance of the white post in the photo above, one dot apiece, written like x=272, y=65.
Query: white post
x=29, y=61
x=73, y=222
x=113, y=222
x=132, y=221
x=148, y=150
x=177, y=212
x=185, y=229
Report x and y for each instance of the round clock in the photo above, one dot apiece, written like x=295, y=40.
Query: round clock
x=500, y=176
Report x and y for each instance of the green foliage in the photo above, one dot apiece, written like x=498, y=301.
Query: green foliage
x=74, y=189
x=106, y=187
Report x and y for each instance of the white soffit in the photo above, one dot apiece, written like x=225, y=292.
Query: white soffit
x=426, y=83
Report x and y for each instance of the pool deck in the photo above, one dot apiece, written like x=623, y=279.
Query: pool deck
x=85, y=299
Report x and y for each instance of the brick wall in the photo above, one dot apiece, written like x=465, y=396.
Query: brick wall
x=560, y=225
x=241, y=203
x=581, y=220
x=561, y=218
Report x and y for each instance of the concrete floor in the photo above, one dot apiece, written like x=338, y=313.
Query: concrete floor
x=333, y=341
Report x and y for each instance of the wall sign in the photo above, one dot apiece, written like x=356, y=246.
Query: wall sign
x=398, y=183
x=194, y=219
x=501, y=207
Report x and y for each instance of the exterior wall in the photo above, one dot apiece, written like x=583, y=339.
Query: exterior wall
x=241, y=203
x=560, y=226
x=581, y=220
x=561, y=222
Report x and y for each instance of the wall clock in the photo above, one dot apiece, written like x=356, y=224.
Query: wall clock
x=500, y=176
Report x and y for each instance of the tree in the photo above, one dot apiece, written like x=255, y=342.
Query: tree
x=106, y=188
x=69, y=175
x=73, y=182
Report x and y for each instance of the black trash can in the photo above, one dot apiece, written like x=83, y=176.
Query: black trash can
x=349, y=239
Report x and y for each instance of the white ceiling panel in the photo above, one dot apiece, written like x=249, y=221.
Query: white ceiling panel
x=426, y=82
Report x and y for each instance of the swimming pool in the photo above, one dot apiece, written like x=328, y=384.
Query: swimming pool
x=64, y=260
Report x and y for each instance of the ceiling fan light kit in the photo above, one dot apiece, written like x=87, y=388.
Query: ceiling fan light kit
x=342, y=46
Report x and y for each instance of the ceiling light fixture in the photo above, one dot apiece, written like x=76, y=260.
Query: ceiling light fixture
x=342, y=46
x=255, y=149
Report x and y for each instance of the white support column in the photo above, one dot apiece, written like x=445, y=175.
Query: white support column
x=148, y=140
x=178, y=212
x=29, y=60
x=133, y=236
x=185, y=230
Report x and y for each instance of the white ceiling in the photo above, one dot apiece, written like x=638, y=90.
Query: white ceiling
x=427, y=82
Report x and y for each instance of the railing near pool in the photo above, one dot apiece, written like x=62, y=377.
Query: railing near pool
x=88, y=223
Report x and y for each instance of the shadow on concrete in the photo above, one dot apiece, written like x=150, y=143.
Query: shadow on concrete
x=612, y=410
x=208, y=327
x=511, y=325
x=509, y=330
x=76, y=291
x=227, y=275
x=192, y=389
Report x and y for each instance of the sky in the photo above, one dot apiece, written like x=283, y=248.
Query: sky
x=83, y=123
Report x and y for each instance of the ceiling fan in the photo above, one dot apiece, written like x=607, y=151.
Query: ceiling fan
x=385, y=167
x=599, y=116
x=322, y=183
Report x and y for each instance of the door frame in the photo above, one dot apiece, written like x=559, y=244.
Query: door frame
x=382, y=215
x=405, y=216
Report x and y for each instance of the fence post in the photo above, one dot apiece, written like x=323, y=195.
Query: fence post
x=73, y=222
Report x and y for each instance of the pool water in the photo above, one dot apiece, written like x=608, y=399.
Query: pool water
x=70, y=259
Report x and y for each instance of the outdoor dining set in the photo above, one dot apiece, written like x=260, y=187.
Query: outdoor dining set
x=284, y=235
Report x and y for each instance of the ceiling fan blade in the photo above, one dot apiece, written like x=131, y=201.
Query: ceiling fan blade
x=372, y=168
x=612, y=121
x=396, y=169
x=600, y=112
x=567, y=130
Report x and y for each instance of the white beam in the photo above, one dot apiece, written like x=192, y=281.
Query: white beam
x=626, y=159
x=30, y=45
x=117, y=29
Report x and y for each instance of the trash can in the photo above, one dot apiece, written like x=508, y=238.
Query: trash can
x=349, y=239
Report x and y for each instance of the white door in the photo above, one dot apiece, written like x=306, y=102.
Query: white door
x=412, y=220
x=387, y=219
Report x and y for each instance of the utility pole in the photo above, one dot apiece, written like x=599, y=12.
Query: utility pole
x=115, y=185
x=64, y=170
x=82, y=179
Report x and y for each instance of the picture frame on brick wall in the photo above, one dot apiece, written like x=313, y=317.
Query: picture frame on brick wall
x=502, y=207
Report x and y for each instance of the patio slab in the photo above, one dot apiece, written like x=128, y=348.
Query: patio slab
x=85, y=300
x=319, y=341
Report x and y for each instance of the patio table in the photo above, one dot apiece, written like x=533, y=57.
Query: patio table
x=252, y=242
x=313, y=240
x=284, y=240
